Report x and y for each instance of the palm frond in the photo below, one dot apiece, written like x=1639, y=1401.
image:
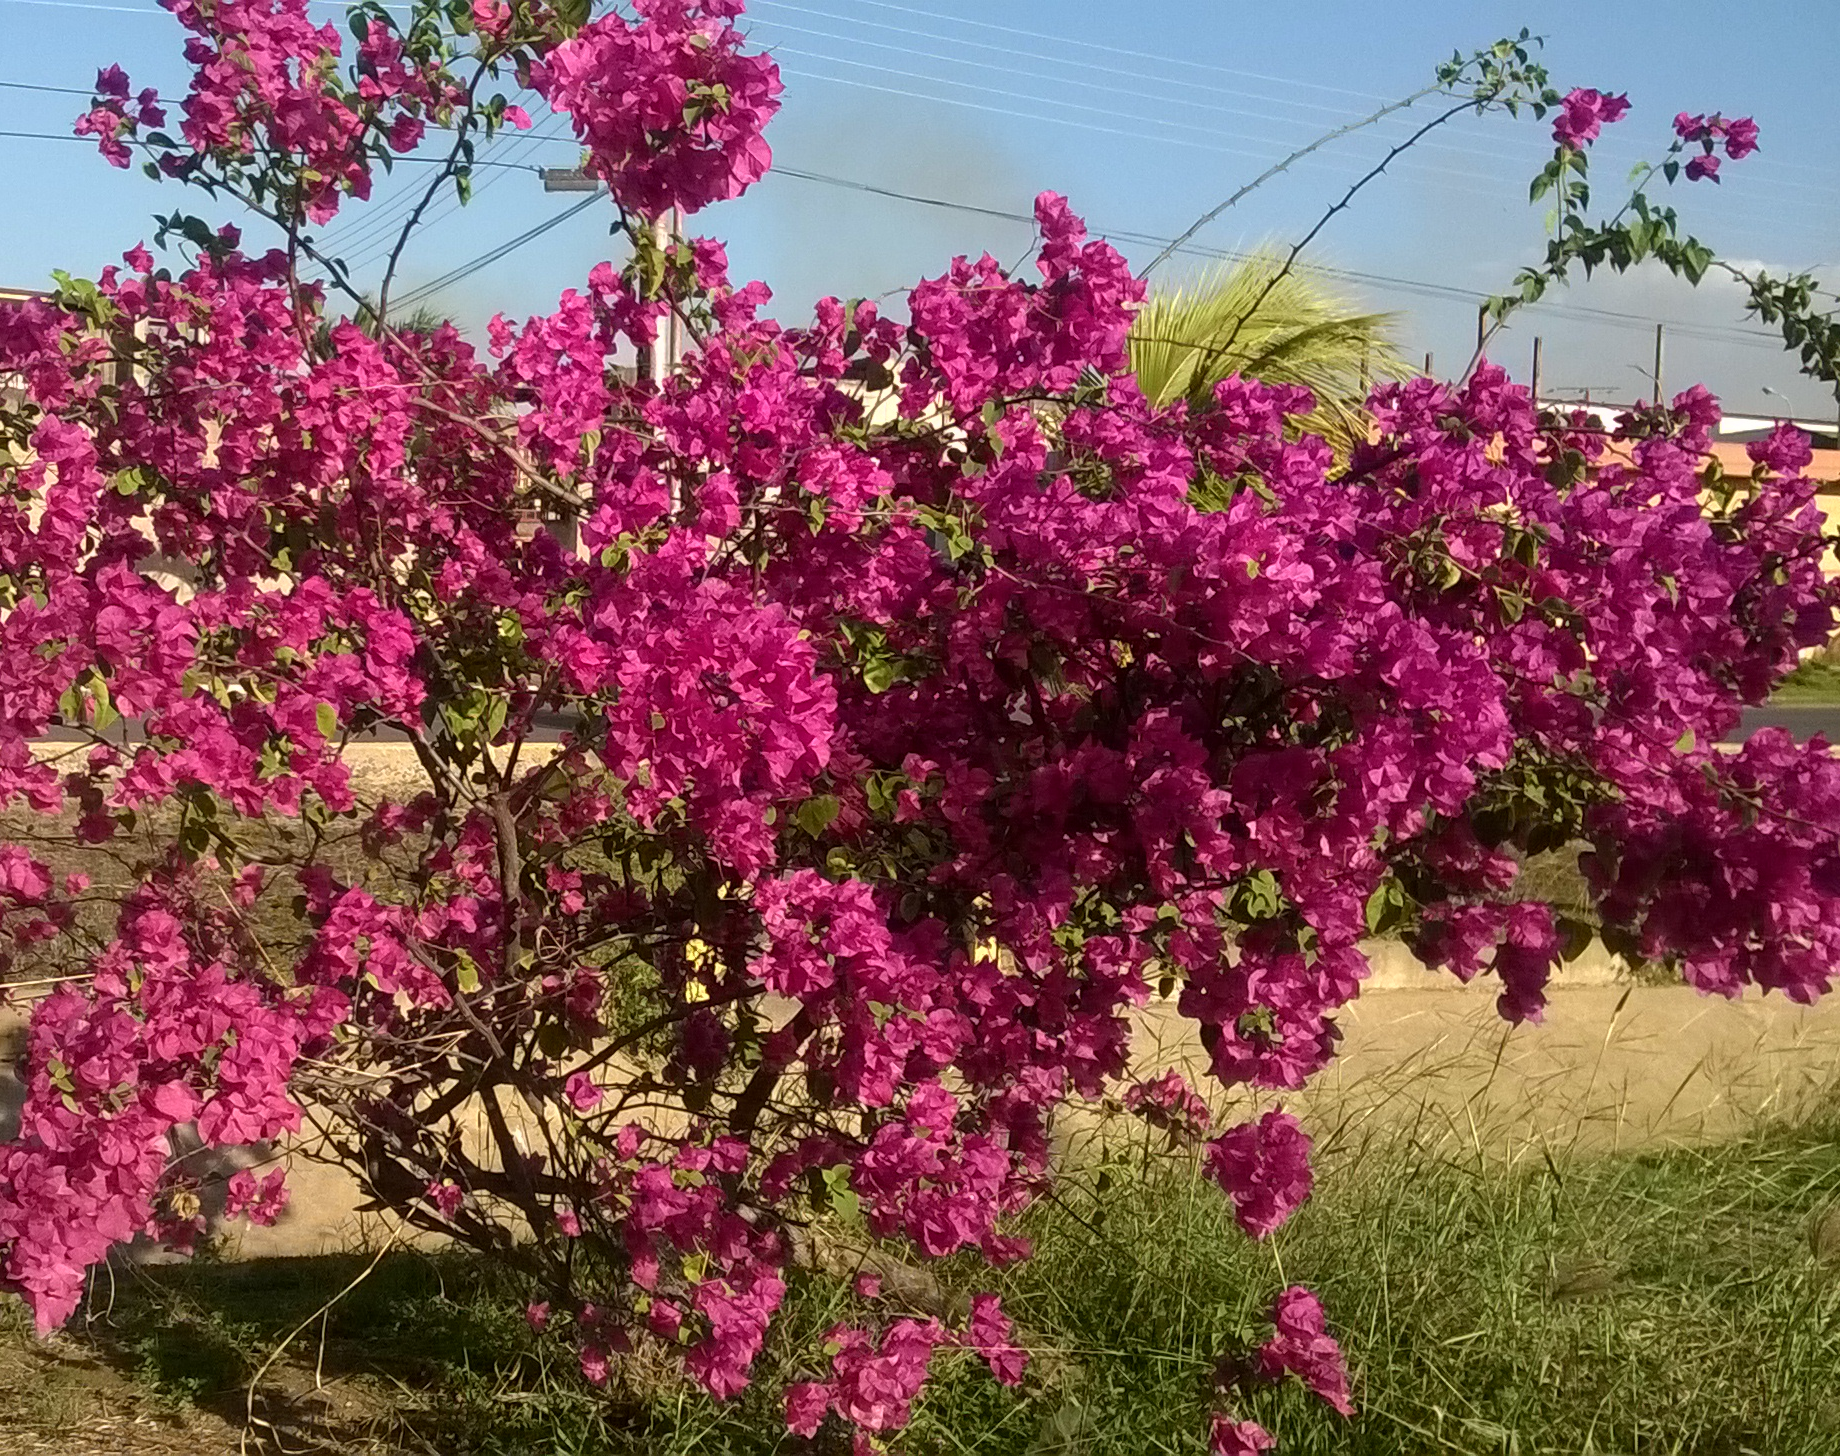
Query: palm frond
x=421, y=319
x=1233, y=319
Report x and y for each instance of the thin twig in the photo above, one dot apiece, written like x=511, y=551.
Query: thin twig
x=1277, y=167
x=249, y=1409
x=1340, y=205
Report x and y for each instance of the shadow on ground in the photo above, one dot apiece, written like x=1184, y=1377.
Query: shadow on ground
x=359, y=1355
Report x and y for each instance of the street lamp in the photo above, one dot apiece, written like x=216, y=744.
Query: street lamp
x=568, y=179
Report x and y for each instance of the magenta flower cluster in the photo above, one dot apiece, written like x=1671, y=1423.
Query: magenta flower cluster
x=930, y=699
x=266, y=86
x=1583, y=114
x=1264, y=1168
x=1738, y=136
x=669, y=105
x=1170, y=1102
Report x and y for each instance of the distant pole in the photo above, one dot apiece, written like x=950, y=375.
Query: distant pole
x=664, y=353
x=1537, y=344
x=1427, y=362
x=1660, y=341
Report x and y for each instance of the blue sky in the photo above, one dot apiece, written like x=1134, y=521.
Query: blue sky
x=1145, y=115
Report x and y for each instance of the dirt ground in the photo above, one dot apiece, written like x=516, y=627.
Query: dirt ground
x=58, y=1397
x=1612, y=1067
x=67, y=1397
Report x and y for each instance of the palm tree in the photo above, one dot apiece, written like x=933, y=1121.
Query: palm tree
x=1257, y=319
x=421, y=319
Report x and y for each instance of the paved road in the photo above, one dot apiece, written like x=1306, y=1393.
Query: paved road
x=1804, y=720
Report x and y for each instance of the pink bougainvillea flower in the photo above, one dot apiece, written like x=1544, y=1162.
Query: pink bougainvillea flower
x=1264, y=1167
x=1171, y=1103
x=989, y=1333
x=1230, y=1437
x=928, y=696
x=1583, y=114
x=1302, y=1346
x=1740, y=138
x=670, y=107
x=261, y=1201
x=583, y=1094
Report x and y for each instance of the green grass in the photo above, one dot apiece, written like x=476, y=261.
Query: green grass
x=1816, y=681
x=1673, y=1303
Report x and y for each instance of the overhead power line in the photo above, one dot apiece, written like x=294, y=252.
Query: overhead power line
x=1521, y=157
x=763, y=11
x=34, y=86
x=1584, y=312
x=1114, y=50
x=1162, y=78
x=62, y=136
x=486, y=259
x=1107, y=111
x=1715, y=332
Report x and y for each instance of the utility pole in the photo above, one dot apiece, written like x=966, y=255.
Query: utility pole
x=1427, y=363
x=1660, y=338
x=1538, y=343
x=658, y=361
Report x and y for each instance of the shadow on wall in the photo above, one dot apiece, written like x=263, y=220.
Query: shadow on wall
x=210, y=1168
x=209, y=1171
x=12, y=1090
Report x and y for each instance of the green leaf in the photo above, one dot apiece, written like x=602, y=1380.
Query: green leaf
x=839, y=1195
x=1388, y=907
x=102, y=715
x=466, y=973
x=326, y=718
x=881, y=791
x=1576, y=937
x=1260, y=897
x=881, y=673
x=816, y=815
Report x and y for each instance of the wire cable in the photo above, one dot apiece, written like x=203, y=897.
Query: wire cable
x=1584, y=312
x=763, y=9
x=486, y=259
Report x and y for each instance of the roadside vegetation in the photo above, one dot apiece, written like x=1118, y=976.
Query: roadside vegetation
x=1683, y=1302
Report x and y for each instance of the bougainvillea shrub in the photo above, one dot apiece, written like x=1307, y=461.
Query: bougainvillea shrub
x=927, y=703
